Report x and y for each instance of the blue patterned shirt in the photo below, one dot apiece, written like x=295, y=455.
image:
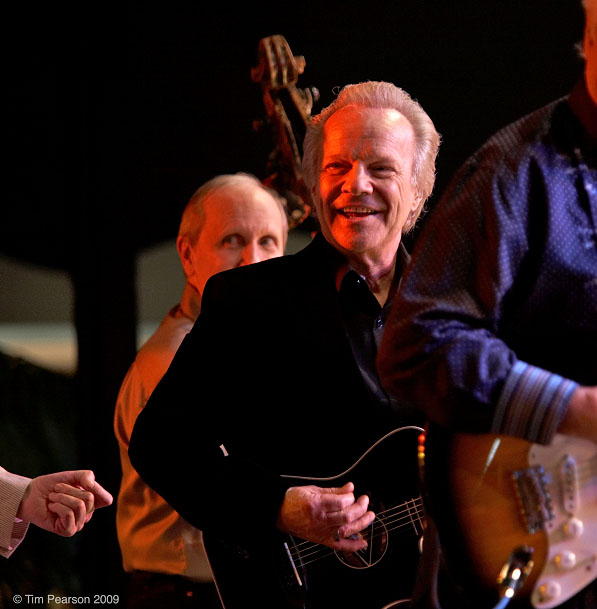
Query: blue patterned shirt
x=495, y=323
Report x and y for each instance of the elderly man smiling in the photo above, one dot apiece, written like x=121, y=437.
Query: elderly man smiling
x=282, y=359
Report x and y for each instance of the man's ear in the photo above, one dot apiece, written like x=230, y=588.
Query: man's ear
x=415, y=204
x=185, y=253
x=410, y=219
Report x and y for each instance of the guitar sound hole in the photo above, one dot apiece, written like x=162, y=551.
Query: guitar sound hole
x=377, y=544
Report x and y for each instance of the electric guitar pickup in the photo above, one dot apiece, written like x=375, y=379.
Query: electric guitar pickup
x=282, y=572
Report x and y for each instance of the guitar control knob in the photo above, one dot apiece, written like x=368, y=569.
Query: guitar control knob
x=565, y=560
x=549, y=591
x=573, y=528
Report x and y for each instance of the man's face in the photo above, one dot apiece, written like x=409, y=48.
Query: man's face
x=241, y=226
x=365, y=184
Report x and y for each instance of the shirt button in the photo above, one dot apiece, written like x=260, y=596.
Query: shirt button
x=379, y=322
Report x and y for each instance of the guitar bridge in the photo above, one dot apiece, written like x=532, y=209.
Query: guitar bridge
x=294, y=569
x=534, y=497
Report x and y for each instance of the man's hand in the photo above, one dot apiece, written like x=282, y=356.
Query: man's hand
x=329, y=516
x=63, y=502
x=581, y=417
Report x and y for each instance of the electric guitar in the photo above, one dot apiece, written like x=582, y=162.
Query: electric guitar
x=498, y=500
x=282, y=572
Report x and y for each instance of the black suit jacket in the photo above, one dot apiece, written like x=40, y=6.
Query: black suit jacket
x=264, y=384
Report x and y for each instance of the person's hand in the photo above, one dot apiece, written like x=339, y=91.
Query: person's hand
x=63, y=502
x=581, y=417
x=329, y=516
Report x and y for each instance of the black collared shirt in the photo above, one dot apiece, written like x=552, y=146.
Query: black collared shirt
x=364, y=319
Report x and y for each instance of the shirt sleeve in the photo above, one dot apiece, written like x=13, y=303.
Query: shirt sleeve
x=12, y=529
x=132, y=397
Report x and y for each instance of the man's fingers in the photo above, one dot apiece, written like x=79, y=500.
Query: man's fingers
x=85, y=479
x=66, y=524
x=357, y=525
x=336, y=499
x=349, y=512
x=352, y=520
x=86, y=483
x=348, y=537
x=86, y=496
x=80, y=503
x=349, y=522
x=102, y=497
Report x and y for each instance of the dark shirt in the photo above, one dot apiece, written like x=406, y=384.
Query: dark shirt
x=365, y=319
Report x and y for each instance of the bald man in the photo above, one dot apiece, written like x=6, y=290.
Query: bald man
x=230, y=221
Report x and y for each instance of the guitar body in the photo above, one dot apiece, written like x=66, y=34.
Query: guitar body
x=282, y=572
x=490, y=495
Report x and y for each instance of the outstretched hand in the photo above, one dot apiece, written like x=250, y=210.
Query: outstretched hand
x=63, y=502
x=328, y=516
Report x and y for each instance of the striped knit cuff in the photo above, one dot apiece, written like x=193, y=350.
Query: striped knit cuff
x=532, y=403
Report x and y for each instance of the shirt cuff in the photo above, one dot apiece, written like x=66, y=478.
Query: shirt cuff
x=12, y=529
x=532, y=403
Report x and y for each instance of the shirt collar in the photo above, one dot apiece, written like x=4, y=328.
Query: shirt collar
x=342, y=268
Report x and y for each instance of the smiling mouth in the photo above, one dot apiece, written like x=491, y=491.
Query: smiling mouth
x=356, y=211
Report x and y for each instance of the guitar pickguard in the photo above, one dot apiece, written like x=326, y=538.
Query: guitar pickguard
x=572, y=526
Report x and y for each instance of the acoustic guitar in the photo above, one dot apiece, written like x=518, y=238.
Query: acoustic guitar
x=282, y=572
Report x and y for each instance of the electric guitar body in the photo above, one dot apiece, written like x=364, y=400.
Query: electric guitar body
x=493, y=495
x=282, y=572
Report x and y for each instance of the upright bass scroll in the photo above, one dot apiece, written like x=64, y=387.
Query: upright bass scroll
x=288, y=111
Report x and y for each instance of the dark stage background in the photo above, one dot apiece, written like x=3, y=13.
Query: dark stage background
x=118, y=111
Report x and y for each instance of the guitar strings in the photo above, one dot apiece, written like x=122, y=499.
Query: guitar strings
x=386, y=522
x=412, y=516
x=413, y=505
x=319, y=551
